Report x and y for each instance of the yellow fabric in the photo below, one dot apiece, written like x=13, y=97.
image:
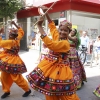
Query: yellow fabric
x=11, y=59
x=7, y=44
x=20, y=33
x=50, y=69
x=56, y=46
x=53, y=31
x=7, y=80
x=71, y=97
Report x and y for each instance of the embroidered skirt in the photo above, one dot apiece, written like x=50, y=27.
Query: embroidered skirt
x=12, y=63
x=77, y=68
x=52, y=77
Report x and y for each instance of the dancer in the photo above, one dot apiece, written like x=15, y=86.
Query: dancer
x=97, y=54
x=11, y=65
x=75, y=63
x=53, y=76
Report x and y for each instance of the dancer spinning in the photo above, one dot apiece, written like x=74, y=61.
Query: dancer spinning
x=11, y=65
x=53, y=76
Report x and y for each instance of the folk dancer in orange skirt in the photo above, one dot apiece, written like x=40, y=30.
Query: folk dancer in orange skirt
x=11, y=65
x=53, y=76
x=1, y=49
x=75, y=63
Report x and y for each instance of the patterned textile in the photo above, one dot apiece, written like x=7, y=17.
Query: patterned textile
x=10, y=61
x=77, y=68
x=97, y=91
x=48, y=85
x=72, y=53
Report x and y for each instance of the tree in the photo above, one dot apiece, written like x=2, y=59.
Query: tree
x=8, y=8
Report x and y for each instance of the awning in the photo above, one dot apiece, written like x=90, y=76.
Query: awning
x=91, y=6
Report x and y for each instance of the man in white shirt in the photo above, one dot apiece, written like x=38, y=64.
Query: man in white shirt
x=84, y=39
x=85, y=42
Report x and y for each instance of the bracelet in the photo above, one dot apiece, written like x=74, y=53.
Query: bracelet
x=43, y=35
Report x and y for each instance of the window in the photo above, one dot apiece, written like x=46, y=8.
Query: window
x=56, y=22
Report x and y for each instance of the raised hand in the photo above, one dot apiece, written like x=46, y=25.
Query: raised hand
x=40, y=21
x=44, y=8
x=15, y=24
x=12, y=22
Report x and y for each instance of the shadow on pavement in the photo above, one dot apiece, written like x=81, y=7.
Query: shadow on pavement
x=86, y=92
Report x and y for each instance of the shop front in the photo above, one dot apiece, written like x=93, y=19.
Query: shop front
x=84, y=15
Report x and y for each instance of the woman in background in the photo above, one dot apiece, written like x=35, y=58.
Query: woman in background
x=75, y=63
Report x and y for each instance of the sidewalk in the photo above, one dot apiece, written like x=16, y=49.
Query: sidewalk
x=30, y=59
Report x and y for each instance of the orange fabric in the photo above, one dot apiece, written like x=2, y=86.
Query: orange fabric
x=7, y=44
x=56, y=46
x=54, y=32
x=71, y=97
x=12, y=59
x=50, y=69
x=8, y=79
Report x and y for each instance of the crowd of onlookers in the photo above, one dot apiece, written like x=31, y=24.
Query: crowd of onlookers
x=93, y=47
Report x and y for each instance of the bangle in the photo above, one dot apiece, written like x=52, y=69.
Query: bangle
x=43, y=35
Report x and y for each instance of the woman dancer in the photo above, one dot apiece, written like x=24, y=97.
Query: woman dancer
x=75, y=63
x=53, y=76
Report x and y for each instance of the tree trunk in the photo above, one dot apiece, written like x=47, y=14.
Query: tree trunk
x=5, y=27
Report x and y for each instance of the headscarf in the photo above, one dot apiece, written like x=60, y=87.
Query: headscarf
x=13, y=32
x=78, y=38
x=68, y=24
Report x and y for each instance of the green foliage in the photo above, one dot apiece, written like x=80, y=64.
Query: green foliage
x=9, y=7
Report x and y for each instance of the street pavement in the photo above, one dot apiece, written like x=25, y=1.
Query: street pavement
x=30, y=58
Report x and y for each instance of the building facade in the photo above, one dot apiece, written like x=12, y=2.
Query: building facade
x=85, y=16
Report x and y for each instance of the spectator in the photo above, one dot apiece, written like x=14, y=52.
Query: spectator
x=84, y=39
x=97, y=50
x=85, y=42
